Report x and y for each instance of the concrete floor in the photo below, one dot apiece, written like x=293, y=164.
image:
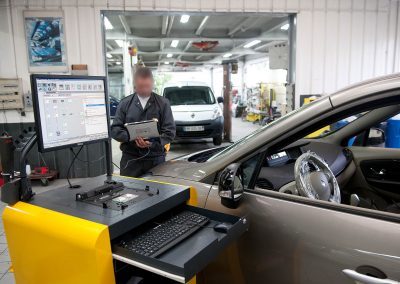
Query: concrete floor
x=239, y=127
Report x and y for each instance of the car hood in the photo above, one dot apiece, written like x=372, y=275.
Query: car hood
x=193, y=112
x=182, y=169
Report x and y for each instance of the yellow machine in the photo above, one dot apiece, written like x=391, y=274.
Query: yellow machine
x=49, y=247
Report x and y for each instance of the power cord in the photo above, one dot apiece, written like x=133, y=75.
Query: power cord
x=86, y=161
x=135, y=159
x=70, y=166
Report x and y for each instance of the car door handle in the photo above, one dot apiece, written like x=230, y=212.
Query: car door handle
x=365, y=279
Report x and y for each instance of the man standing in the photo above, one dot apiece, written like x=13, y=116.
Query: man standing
x=140, y=155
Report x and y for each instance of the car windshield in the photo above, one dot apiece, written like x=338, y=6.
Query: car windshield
x=189, y=95
x=258, y=131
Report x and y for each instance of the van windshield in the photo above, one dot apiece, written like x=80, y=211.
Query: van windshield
x=189, y=95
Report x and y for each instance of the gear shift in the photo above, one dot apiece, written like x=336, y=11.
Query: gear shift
x=354, y=200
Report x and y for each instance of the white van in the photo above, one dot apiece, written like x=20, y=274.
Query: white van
x=196, y=111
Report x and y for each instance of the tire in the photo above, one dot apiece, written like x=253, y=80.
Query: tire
x=217, y=140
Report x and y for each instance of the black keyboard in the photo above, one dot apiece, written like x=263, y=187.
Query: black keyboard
x=162, y=237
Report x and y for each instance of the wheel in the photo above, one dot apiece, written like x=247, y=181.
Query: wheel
x=217, y=140
x=44, y=181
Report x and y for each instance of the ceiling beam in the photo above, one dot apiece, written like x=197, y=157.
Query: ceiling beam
x=109, y=46
x=278, y=35
x=242, y=51
x=164, y=26
x=202, y=25
x=243, y=26
x=124, y=23
x=264, y=46
x=171, y=22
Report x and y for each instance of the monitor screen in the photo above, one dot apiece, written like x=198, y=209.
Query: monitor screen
x=69, y=110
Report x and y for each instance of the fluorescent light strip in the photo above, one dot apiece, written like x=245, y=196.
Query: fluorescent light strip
x=285, y=27
x=109, y=55
x=169, y=55
x=166, y=62
x=227, y=55
x=185, y=19
x=120, y=42
x=252, y=43
x=107, y=24
x=174, y=43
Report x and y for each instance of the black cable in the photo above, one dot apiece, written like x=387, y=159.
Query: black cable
x=116, y=165
x=70, y=166
x=86, y=161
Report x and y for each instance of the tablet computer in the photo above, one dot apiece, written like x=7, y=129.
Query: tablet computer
x=145, y=129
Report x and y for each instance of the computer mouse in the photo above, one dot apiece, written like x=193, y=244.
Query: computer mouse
x=222, y=227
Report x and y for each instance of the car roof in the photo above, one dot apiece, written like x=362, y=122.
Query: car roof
x=186, y=84
x=364, y=88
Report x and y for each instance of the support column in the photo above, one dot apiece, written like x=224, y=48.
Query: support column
x=128, y=70
x=227, y=68
x=291, y=75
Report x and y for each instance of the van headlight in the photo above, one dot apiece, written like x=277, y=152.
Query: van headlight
x=217, y=113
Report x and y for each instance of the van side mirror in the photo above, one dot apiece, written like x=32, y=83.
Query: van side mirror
x=231, y=185
x=376, y=137
x=220, y=100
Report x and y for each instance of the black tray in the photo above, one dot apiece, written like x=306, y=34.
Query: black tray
x=185, y=260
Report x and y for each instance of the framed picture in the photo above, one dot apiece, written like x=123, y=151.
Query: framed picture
x=45, y=41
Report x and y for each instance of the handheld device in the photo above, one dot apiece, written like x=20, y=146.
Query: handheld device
x=145, y=129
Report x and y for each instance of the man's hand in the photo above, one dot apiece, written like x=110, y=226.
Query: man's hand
x=141, y=143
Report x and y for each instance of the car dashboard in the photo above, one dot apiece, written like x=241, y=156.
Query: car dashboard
x=278, y=167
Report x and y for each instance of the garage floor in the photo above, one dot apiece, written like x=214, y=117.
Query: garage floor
x=240, y=129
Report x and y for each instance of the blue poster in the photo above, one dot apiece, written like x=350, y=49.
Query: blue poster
x=45, y=40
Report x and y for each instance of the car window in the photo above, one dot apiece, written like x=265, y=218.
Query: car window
x=331, y=128
x=385, y=134
x=254, y=134
x=248, y=168
x=189, y=95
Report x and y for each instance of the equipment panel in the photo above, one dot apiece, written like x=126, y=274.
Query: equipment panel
x=11, y=96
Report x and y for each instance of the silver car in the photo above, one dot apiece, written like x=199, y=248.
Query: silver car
x=322, y=204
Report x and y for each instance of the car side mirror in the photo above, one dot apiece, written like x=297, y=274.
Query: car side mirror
x=231, y=185
x=376, y=137
x=220, y=100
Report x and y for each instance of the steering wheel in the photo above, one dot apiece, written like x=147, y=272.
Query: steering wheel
x=314, y=178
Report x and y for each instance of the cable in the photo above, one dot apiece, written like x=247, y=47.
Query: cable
x=86, y=161
x=70, y=166
x=135, y=159
x=116, y=165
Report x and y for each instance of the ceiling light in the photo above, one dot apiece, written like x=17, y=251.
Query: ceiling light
x=174, y=43
x=120, y=42
x=227, y=55
x=169, y=55
x=107, y=24
x=185, y=19
x=285, y=27
x=252, y=43
x=109, y=55
x=118, y=63
x=166, y=62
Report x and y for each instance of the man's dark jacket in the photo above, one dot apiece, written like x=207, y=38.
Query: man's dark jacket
x=130, y=110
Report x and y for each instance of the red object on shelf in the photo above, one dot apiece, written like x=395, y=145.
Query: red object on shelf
x=41, y=170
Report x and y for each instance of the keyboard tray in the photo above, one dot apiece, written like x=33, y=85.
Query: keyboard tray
x=186, y=259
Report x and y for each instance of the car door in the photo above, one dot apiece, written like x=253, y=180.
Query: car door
x=295, y=240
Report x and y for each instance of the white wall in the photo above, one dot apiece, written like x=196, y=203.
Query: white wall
x=338, y=41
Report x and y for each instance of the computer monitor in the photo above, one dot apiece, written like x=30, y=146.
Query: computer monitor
x=69, y=110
